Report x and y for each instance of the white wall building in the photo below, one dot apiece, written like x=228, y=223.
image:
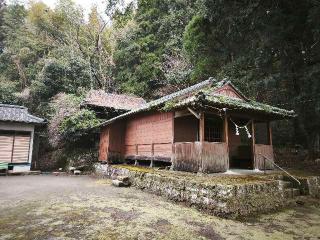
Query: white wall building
x=16, y=136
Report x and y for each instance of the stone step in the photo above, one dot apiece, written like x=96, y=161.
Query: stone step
x=285, y=184
x=291, y=192
x=119, y=183
x=296, y=192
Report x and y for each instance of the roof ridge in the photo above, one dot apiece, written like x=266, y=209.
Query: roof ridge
x=185, y=90
x=12, y=106
x=118, y=94
x=163, y=99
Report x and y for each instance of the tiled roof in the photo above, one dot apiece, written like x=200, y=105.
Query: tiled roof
x=15, y=113
x=116, y=101
x=188, y=97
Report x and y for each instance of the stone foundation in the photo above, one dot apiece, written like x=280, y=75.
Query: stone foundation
x=310, y=186
x=228, y=201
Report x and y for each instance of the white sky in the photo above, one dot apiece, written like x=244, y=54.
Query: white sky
x=85, y=4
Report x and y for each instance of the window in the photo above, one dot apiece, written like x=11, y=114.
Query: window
x=213, y=127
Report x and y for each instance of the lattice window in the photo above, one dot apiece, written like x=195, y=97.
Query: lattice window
x=213, y=129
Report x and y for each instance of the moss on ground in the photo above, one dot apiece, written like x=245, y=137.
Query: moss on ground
x=134, y=168
x=196, y=178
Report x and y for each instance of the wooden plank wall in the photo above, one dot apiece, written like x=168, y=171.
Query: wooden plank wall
x=266, y=150
x=149, y=135
x=21, y=149
x=14, y=147
x=214, y=157
x=228, y=91
x=201, y=156
x=104, y=144
x=116, y=141
x=6, y=148
x=112, y=142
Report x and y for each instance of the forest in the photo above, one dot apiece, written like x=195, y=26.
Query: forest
x=50, y=58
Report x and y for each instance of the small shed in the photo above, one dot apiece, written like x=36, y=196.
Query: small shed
x=17, y=128
x=208, y=127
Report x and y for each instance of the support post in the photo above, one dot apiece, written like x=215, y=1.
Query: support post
x=13, y=142
x=172, y=143
x=152, y=155
x=201, y=127
x=270, y=134
x=226, y=130
x=253, y=145
x=226, y=137
x=136, y=161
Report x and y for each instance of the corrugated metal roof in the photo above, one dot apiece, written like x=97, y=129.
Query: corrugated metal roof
x=15, y=113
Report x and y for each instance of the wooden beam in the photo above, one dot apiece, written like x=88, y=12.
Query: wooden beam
x=253, y=145
x=182, y=113
x=226, y=130
x=194, y=113
x=13, y=142
x=270, y=134
x=152, y=154
x=172, y=140
x=201, y=127
x=226, y=138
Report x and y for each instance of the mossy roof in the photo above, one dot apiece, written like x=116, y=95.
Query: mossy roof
x=202, y=95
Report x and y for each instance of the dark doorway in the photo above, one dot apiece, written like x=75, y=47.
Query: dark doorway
x=240, y=144
x=186, y=129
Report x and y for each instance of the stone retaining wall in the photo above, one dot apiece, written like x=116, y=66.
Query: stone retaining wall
x=310, y=186
x=228, y=201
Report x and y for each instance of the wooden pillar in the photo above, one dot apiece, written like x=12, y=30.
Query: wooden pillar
x=226, y=130
x=270, y=134
x=226, y=138
x=136, y=161
x=201, y=127
x=201, y=139
x=253, y=135
x=13, y=142
x=152, y=154
x=172, y=143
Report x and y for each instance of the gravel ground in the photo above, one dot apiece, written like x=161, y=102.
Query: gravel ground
x=81, y=207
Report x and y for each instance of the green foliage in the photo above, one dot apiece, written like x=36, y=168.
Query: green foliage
x=140, y=54
x=7, y=92
x=65, y=72
x=75, y=126
x=269, y=49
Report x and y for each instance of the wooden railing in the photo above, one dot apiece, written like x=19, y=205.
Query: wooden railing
x=265, y=159
x=149, y=151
